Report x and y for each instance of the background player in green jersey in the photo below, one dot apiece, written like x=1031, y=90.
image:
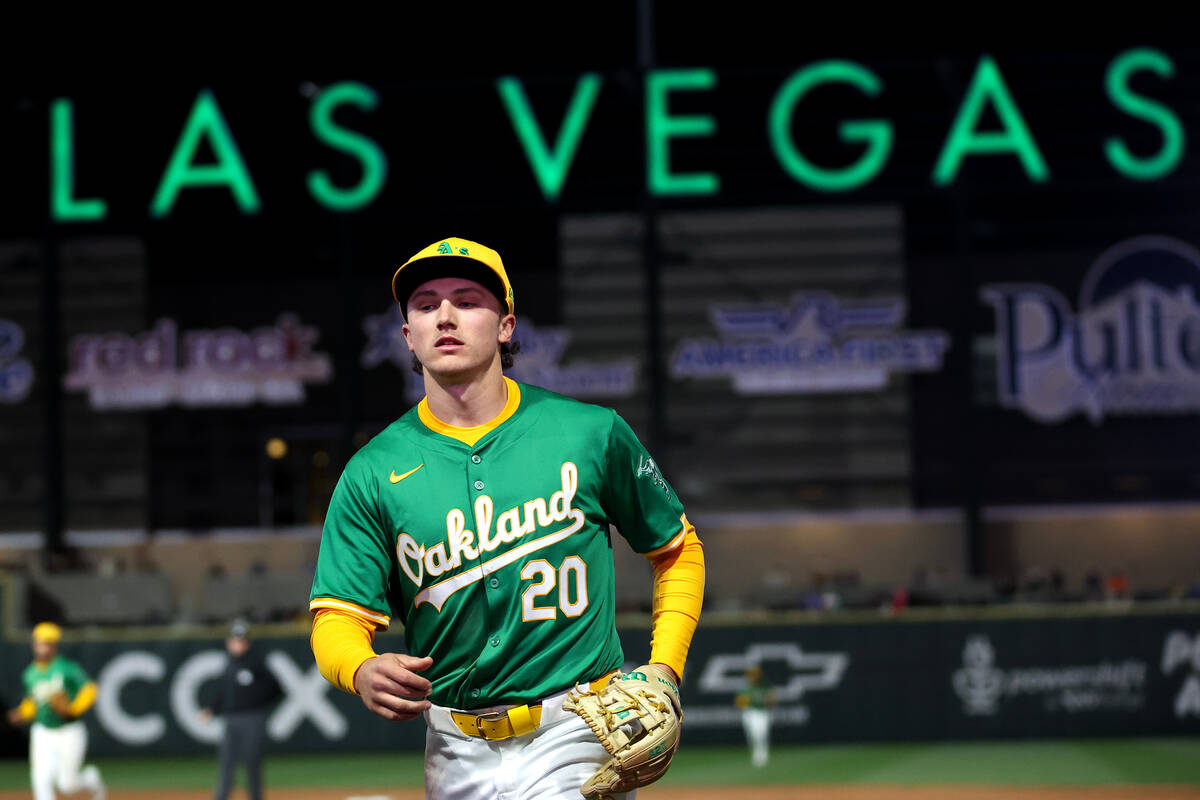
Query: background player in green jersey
x=57, y=693
x=480, y=519
x=756, y=701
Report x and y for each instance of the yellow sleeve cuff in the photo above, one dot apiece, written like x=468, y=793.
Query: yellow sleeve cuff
x=678, y=597
x=27, y=709
x=341, y=642
x=84, y=699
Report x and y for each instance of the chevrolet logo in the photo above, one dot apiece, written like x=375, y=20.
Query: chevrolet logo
x=808, y=671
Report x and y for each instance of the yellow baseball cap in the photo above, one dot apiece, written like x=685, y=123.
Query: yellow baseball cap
x=47, y=632
x=453, y=258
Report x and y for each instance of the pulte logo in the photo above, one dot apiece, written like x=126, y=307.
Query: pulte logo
x=1132, y=347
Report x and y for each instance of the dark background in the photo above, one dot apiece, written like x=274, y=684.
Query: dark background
x=457, y=168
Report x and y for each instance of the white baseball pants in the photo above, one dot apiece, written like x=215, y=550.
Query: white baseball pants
x=757, y=724
x=56, y=761
x=549, y=764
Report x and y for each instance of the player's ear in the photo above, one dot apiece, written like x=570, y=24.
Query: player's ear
x=407, y=337
x=508, y=324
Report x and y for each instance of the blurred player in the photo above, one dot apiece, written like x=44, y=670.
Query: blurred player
x=480, y=519
x=57, y=693
x=756, y=701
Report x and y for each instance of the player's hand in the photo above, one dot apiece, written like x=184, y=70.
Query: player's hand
x=15, y=717
x=390, y=686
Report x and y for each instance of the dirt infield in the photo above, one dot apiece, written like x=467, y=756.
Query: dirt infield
x=809, y=792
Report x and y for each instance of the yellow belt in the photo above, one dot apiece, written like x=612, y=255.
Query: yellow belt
x=512, y=722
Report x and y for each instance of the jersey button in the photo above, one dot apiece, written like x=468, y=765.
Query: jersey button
x=495, y=642
x=474, y=693
x=494, y=583
x=479, y=485
x=475, y=459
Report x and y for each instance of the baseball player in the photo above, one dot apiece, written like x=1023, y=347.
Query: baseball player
x=756, y=701
x=480, y=520
x=57, y=693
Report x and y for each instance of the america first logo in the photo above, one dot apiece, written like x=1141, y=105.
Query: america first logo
x=1131, y=346
x=820, y=343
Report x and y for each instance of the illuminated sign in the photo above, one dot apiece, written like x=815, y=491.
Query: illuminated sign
x=1132, y=347
x=205, y=153
x=538, y=362
x=16, y=374
x=1082, y=688
x=806, y=671
x=817, y=344
x=223, y=367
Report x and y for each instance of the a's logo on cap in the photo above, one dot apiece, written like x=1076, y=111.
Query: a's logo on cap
x=445, y=249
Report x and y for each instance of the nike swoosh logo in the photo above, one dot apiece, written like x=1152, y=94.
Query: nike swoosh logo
x=394, y=478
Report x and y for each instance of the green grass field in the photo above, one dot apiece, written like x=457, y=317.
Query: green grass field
x=1051, y=762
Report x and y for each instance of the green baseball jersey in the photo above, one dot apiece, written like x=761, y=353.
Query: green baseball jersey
x=496, y=557
x=756, y=695
x=43, y=680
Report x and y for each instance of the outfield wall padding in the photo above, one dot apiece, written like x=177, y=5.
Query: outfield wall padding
x=1104, y=675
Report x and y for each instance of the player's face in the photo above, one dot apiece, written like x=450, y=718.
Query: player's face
x=44, y=651
x=455, y=327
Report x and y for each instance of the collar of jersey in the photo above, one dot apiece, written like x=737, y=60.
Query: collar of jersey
x=470, y=436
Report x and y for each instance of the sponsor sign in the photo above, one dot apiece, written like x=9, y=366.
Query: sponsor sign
x=16, y=374
x=1130, y=347
x=818, y=343
x=1126, y=675
x=983, y=685
x=199, y=368
x=793, y=672
x=304, y=699
x=1181, y=656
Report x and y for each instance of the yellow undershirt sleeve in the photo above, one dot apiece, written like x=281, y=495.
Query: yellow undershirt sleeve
x=678, y=596
x=83, y=699
x=341, y=642
x=27, y=709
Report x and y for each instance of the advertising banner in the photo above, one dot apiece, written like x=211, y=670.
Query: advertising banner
x=891, y=680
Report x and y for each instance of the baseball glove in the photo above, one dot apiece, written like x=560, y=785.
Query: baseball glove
x=637, y=718
x=60, y=704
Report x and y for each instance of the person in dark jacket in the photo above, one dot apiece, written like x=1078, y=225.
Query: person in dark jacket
x=244, y=696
